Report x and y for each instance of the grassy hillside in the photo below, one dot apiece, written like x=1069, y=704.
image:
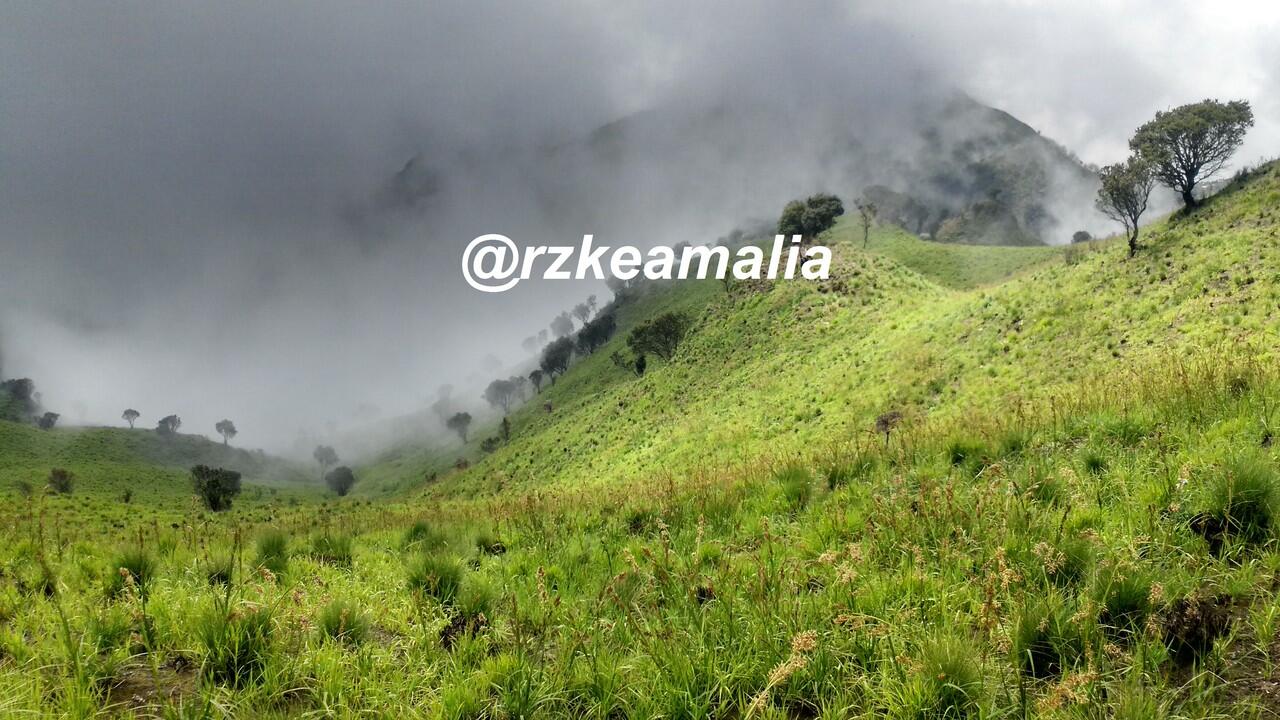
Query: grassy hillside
x=109, y=462
x=1075, y=517
x=812, y=364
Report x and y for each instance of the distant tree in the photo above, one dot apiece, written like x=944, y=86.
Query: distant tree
x=591, y=303
x=562, y=325
x=1080, y=236
x=340, y=480
x=791, y=222
x=506, y=429
x=215, y=486
x=48, y=420
x=521, y=384
x=867, y=214
x=1190, y=144
x=659, y=336
x=618, y=287
x=443, y=406
x=536, y=378
x=635, y=364
x=556, y=357
x=886, y=422
x=61, y=481
x=530, y=344
x=499, y=394
x=131, y=416
x=595, y=334
x=1123, y=196
x=18, y=400
x=459, y=423
x=490, y=444
x=326, y=457
x=226, y=429
x=582, y=311
x=168, y=425
x=811, y=217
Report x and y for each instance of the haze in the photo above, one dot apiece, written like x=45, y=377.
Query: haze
x=200, y=212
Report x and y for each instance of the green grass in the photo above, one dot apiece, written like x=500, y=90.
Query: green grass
x=730, y=535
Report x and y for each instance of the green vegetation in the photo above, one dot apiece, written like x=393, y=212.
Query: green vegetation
x=1028, y=482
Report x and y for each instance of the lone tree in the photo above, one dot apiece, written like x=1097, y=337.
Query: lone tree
x=562, y=325
x=47, y=420
x=556, y=357
x=1190, y=144
x=810, y=217
x=595, y=334
x=215, y=486
x=226, y=429
x=500, y=393
x=325, y=456
x=19, y=400
x=459, y=424
x=582, y=311
x=168, y=425
x=535, y=377
x=61, y=481
x=659, y=336
x=1123, y=195
x=130, y=416
x=340, y=480
x=867, y=214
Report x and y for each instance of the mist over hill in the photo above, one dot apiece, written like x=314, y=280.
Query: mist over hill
x=258, y=213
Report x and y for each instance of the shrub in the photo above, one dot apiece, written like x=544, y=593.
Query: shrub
x=489, y=544
x=839, y=474
x=1045, y=640
x=61, y=481
x=131, y=567
x=952, y=678
x=218, y=569
x=969, y=454
x=660, y=336
x=1124, y=596
x=436, y=576
x=1072, y=559
x=1047, y=488
x=332, y=549
x=475, y=596
x=343, y=621
x=421, y=535
x=797, y=485
x=237, y=644
x=1094, y=462
x=1014, y=441
x=340, y=480
x=1240, y=502
x=273, y=551
x=215, y=486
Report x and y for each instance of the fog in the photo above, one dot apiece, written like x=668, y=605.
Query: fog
x=257, y=211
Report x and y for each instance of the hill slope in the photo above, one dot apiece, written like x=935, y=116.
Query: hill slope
x=109, y=461
x=906, y=325
x=1078, y=516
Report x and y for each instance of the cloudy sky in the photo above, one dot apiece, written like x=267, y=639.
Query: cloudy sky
x=178, y=181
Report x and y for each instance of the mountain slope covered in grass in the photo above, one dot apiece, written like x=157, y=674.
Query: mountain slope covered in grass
x=1075, y=514
x=110, y=461
x=927, y=330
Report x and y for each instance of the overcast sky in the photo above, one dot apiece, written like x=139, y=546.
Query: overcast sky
x=178, y=180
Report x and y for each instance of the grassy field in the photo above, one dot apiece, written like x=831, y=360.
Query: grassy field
x=1074, y=517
